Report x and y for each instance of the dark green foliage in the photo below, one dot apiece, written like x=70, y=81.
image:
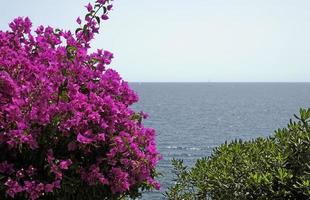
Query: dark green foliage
x=277, y=167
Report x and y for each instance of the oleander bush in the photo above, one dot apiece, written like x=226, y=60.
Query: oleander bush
x=66, y=127
x=277, y=167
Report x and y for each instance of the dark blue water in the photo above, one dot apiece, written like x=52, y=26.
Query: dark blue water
x=193, y=118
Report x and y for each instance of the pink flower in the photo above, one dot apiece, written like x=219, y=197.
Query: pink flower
x=103, y=180
x=6, y=168
x=49, y=188
x=8, y=86
x=101, y=1
x=104, y=17
x=89, y=7
x=65, y=164
x=109, y=7
x=119, y=180
x=101, y=137
x=78, y=20
x=84, y=140
x=56, y=184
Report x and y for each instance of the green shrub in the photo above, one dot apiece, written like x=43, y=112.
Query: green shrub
x=277, y=167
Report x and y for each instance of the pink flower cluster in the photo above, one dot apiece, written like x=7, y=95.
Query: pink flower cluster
x=63, y=113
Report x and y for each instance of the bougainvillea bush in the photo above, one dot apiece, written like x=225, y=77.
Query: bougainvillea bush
x=66, y=127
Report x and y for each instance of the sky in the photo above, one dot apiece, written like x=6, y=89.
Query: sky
x=191, y=41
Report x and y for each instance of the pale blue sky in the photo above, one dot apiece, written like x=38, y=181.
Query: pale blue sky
x=195, y=41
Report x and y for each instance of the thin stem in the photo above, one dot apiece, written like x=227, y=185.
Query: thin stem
x=93, y=16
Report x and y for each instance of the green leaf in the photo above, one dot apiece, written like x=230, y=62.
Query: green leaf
x=105, y=10
x=98, y=19
x=85, y=27
x=88, y=15
x=71, y=51
x=78, y=30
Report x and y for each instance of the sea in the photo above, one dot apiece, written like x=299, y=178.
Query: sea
x=191, y=119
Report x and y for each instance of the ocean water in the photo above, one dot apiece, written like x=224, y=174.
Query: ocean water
x=193, y=118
